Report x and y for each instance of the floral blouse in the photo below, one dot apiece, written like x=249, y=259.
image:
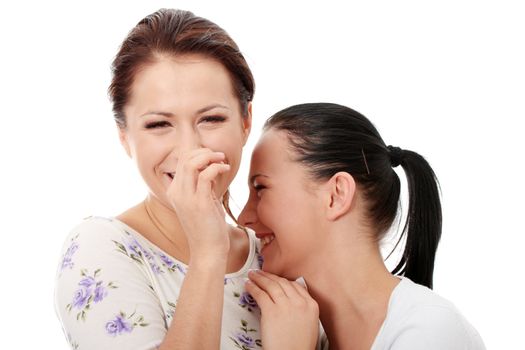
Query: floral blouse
x=117, y=290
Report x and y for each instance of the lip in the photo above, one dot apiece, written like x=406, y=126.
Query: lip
x=264, y=242
x=263, y=234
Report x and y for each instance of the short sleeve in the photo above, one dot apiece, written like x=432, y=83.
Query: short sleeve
x=103, y=298
x=436, y=327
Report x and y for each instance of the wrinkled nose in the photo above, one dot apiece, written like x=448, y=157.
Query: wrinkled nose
x=185, y=141
x=189, y=141
x=248, y=215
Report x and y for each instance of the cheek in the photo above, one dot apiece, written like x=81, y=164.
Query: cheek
x=288, y=211
x=275, y=211
x=149, y=152
x=230, y=144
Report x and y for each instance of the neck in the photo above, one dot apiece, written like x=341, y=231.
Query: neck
x=166, y=222
x=356, y=309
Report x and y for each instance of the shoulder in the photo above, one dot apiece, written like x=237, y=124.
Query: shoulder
x=96, y=232
x=419, y=317
x=104, y=295
x=97, y=227
x=95, y=240
x=255, y=248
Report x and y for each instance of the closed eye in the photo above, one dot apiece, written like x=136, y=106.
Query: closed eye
x=213, y=119
x=258, y=189
x=157, y=124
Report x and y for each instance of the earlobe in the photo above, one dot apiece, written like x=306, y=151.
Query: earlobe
x=341, y=189
x=247, y=123
x=123, y=137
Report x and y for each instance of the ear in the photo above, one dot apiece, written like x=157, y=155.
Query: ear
x=340, y=192
x=247, y=123
x=123, y=137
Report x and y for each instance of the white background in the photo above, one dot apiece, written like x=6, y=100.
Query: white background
x=445, y=79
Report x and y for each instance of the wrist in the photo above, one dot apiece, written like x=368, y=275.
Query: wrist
x=208, y=262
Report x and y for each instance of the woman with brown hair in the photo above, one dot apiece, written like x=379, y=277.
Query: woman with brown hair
x=169, y=272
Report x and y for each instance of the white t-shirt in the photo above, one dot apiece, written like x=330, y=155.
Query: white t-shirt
x=117, y=290
x=418, y=318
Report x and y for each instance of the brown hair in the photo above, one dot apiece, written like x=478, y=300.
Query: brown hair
x=177, y=32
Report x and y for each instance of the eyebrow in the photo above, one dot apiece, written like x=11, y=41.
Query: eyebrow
x=210, y=107
x=200, y=111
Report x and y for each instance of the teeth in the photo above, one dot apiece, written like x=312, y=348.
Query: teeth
x=267, y=239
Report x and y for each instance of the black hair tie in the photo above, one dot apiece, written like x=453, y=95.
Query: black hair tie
x=396, y=155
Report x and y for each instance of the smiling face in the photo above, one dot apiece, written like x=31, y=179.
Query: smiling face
x=284, y=208
x=179, y=104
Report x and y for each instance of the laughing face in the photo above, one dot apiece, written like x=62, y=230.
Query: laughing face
x=283, y=208
x=179, y=104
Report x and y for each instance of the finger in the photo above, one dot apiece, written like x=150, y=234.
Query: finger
x=301, y=290
x=261, y=297
x=285, y=284
x=184, y=181
x=200, y=161
x=272, y=288
x=189, y=166
x=206, y=179
x=185, y=157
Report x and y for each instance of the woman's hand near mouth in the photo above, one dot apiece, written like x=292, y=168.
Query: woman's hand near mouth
x=200, y=212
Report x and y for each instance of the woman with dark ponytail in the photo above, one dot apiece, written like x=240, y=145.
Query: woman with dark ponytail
x=323, y=193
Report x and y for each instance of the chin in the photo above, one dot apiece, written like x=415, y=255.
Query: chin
x=279, y=271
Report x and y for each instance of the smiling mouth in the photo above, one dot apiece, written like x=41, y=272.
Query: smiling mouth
x=266, y=240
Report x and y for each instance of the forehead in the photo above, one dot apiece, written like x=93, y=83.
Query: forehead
x=181, y=81
x=272, y=153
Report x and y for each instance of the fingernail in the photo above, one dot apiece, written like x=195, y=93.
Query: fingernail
x=252, y=271
x=301, y=281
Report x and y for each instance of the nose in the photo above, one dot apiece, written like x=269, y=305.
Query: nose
x=248, y=215
x=189, y=140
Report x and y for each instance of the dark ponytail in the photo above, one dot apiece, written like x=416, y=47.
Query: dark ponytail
x=328, y=138
x=423, y=223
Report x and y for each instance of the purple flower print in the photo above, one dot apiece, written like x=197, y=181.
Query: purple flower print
x=87, y=282
x=100, y=293
x=181, y=269
x=121, y=324
x=147, y=254
x=247, y=300
x=67, y=259
x=134, y=247
x=260, y=260
x=245, y=340
x=166, y=260
x=81, y=297
x=90, y=291
x=118, y=326
x=139, y=254
x=170, y=263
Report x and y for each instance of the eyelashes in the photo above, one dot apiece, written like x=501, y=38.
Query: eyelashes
x=258, y=189
x=157, y=125
x=164, y=124
x=213, y=119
